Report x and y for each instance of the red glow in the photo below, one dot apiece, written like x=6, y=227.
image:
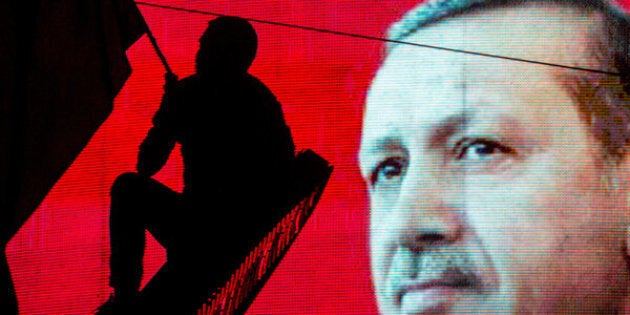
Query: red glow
x=59, y=259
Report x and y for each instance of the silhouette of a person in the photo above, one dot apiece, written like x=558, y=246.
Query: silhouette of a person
x=237, y=153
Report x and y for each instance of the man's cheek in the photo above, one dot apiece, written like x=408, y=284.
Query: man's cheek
x=381, y=244
x=513, y=232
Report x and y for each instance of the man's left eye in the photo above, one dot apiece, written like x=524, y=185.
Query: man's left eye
x=479, y=149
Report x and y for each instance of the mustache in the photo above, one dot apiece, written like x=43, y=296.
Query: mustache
x=452, y=267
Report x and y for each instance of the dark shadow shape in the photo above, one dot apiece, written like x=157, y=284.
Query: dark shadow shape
x=181, y=288
x=234, y=297
x=238, y=156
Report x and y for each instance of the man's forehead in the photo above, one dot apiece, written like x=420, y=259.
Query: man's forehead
x=417, y=86
x=412, y=75
x=541, y=32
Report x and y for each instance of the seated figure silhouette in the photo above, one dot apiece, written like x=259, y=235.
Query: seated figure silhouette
x=237, y=154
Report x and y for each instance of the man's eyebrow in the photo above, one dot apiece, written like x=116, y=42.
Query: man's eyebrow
x=438, y=136
x=386, y=143
x=444, y=130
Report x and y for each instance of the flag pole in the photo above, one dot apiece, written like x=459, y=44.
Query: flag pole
x=157, y=50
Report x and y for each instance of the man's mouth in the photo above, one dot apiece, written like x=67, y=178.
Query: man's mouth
x=455, y=283
x=432, y=297
x=434, y=291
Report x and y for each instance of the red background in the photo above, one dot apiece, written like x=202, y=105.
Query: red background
x=59, y=258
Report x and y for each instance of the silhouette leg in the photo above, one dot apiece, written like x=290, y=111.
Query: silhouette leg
x=126, y=235
x=138, y=203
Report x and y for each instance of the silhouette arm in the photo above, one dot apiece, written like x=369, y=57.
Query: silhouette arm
x=154, y=151
x=280, y=146
x=160, y=140
x=281, y=132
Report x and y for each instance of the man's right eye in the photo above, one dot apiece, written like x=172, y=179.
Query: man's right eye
x=388, y=170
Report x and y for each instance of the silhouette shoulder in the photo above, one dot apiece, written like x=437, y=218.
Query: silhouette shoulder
x=261, y=90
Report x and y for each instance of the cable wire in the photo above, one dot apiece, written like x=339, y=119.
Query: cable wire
x=321, y=30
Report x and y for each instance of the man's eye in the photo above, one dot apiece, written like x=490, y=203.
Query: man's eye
x=391, y=168
x=479, y=149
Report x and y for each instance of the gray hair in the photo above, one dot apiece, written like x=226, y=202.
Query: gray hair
x=603, y=98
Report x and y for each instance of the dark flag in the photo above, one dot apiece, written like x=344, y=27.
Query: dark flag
x=63, y=62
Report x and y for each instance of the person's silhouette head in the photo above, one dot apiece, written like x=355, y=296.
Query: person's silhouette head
x=228, y=46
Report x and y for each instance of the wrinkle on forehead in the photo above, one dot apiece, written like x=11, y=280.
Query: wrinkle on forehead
x=547, y=33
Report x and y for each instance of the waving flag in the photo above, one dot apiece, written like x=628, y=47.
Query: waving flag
x=63, y=63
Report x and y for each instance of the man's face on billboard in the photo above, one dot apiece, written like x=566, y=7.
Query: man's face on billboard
x=487, y=191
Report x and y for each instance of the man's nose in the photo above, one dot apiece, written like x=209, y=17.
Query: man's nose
x=430, y=213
